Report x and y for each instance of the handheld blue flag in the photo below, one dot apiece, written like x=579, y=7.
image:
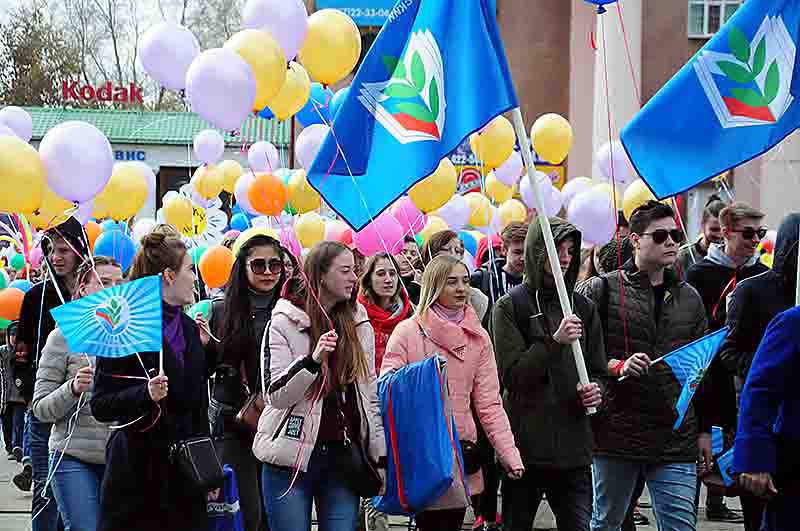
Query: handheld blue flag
x=725, y=462
x=732, y=102
x=689, y=364
x=436, y=73
x=115, y=322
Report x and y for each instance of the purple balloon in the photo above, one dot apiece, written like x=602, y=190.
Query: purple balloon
x=166, y=51
x=263, y=156
x=573, y=188
x=593, y=213
x=209, y=146
x=19, y=121
x=509, y=172
x=551, y=196
x=221, y=88
x=455, y=212
x=285, y=20
x=240, y=192
x=84, y=212
x=78, y=159
x=612, y=156
x=409, y=216
x=384, y=234
x=308, y=143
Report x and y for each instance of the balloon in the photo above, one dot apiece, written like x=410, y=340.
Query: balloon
x=23, y=176
x=301, y=194
x=510, y=171
x=84, y=212
x=142, y=228
x=92, y=232
x=383, y=234
x=266, y=60
x=470, y=244
x=17, y=262
x=110, y=224
x=233, y=234
x=178, y=211
x=612, y=156
x=767, y=259
x=308, y=143
x=436, y=189
x=221, y=88
x=117, y=245
x=263, y=156
x=310, y=229
x=337, y=100
x=574, y=187
x=53, y=211
x=11, y=303
x=231, y=170
x=551, y=196
x=608, y=189
x=494, y=144
x=455, y=212
x=6, y=131
x=512, y=210
x=19, y=121
x=197, y=252
x=289, y=241
x=593, y=213
x=215, y=266
x=202, y=307
x=166, y=51
x=209, y=146
x=267, y=194
x=409, y=216
x=497, y=191
x=480, y=210
x=433, y=226
x=293, y=94
x=316, y=110
x=285, y=20
x=332, y=46
x=4, y=281
x=336, y=230
x=240, y=222
x=495, y=224
x=208, y=181
x=23, y=285
x=125, y=193
x=551, y=136
x=240, y=192
x=636, y=195
x=36, y=256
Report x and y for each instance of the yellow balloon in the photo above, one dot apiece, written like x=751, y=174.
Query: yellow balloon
x=495, y=143
x=551, y=136
x=767, y=259
x=432, y=226
x=302, y=197
x=512, y=210
x=23, y=177
x=53, y=211
x=332, y=46
x=231, y=171
x=497, y=191
x=436, y=189
x=293, y=94
x=607, y=188
x=208, y=181
x=178, y=211
x=249, y=233
x=310, y=229
x=265, y=57
x=124, y=194
x=636, y=195
x=480, y=210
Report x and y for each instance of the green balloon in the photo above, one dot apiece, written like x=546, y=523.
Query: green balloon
x=418, y=238
x=3, y=279
x=203, y=307
x=4, y=324
x=197, y=252
x=18, y=262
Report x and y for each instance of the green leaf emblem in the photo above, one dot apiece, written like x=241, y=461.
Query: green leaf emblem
x=739, y=44
x=415, y=110
x=760, y=56
x=417, y=72
x=749, y=97
x=772, y=83
x=433, y=96
x=400, y=90
x=735, y=72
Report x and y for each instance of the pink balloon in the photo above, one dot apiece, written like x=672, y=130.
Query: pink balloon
x=209, y=146
x=455, y=212
x=613, y=155
x=221, y=88
x=308, y=143
x=36, y=257
x=384, y=234
x=509, y=172
x=593, y=213
x=409, y=216
x=289, y=240
x=336, y=230
x=285, y=20
x=231, y=234
x=263, y=156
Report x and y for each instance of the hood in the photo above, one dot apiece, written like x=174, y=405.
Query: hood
x=716, y=255
x=785, y=260
x=536, y=253
x=297, y=315
x=483, y=248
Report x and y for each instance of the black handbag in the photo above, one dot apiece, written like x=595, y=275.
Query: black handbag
x=473, y=460
x=358, y=472
x=198, y=462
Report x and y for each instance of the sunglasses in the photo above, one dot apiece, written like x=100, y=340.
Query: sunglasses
x=660, y=236
x=259, y=266
x=749, y=232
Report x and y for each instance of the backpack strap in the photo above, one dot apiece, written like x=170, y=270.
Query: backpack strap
x=521, y=302
x=265, y=360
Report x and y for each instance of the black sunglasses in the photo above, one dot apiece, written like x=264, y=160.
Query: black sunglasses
x=259, y=266
x=660, y=236
x=749, y=232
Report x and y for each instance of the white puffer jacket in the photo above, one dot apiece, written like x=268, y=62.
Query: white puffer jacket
x=288, y=425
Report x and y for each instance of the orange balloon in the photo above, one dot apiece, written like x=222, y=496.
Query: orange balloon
x=216, y=265
x=267, y=194
x=93, y=230
x=11, y=303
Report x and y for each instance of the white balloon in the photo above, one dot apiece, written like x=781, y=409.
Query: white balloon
x=573, y=188
x=593, y=213
x=469, y=261
x=19, y=121
x=209, y=146
x=263, y=156
x=510, y=171
x=142, y=228
x=455, y=212
x=308, y=143
x=221, y=88
x=285, y=20
x=240, y=192
x=166, y=52
x=150, y=178
x=6, y=131
x=612, y=156
x=551, y=196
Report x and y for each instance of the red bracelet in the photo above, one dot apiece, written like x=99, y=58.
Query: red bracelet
x=616, y=370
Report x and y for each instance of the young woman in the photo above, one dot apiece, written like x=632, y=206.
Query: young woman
x=63, y=387
x=142, y=489
x=239, y=322
x=322, y=394
x=385, y=301
x=445, y=324
x=290, y=263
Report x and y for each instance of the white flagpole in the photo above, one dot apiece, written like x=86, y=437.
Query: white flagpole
x=552, y=252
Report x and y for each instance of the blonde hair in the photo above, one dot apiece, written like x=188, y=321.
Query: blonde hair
x=737, y=212
x=434, y=279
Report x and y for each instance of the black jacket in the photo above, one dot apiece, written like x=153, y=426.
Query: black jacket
x=756, y=301
x=493, y=282
x=141, y=490
x=640, y=412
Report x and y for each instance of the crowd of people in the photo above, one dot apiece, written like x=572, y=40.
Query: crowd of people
x=283, y=373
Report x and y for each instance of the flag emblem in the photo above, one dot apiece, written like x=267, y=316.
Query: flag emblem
x=410, y=105
x=113, y=315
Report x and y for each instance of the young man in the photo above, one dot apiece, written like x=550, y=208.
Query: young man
x=634, y=434
x=712, y=233
x=410, y=265
x=543, y=399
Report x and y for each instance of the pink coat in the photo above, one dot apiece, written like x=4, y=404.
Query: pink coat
x=471, y=380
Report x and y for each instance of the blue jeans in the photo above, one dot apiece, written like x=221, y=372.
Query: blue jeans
x=337, y=505
x=44, y=509
x=17, y=424
x=672, y=488
x=26, y=437
x=76, y=486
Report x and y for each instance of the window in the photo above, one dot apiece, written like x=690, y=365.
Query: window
x=706, y=17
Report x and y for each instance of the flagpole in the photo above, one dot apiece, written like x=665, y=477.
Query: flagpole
x=552, y=253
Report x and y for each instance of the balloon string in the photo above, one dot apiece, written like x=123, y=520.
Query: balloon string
x=628, y=52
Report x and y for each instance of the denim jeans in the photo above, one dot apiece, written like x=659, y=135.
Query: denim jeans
x=672, y=488
x=17, y=418
x=44, y=509
x=26, y=437
x=337, y=506
x=76, y=486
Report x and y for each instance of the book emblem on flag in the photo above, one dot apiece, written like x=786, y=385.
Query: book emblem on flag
x=410, y=104
x=113, y=315
x=749, y=83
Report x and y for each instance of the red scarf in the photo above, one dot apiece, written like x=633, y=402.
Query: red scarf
x=384, y=323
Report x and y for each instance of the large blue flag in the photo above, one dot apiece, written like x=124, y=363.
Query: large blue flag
x=689, y=364
x=115, y=322
x=732, y=102
x=436, y=73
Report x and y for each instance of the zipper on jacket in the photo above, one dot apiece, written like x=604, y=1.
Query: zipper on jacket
x=283, y=422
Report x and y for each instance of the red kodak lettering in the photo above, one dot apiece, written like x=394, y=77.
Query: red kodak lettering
x=121, y=94
x=104, y=92
x=135, y=94
x=68, y=90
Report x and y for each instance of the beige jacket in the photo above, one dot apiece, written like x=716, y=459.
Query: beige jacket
x=288, y=426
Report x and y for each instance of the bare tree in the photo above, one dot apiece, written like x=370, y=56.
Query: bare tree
x=214, y=21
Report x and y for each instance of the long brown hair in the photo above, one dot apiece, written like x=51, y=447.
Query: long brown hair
x=348, y=363
x=159, y=251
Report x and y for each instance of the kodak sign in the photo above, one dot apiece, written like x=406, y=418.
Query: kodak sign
x=106, y=92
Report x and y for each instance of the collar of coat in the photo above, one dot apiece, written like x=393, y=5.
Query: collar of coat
x=642, y=278
x=450, y=336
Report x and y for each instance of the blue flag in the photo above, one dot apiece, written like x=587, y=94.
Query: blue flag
x=436, y=73
x=725, y=462
x=732, y=102
x=689, y=364
x=115, y=322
